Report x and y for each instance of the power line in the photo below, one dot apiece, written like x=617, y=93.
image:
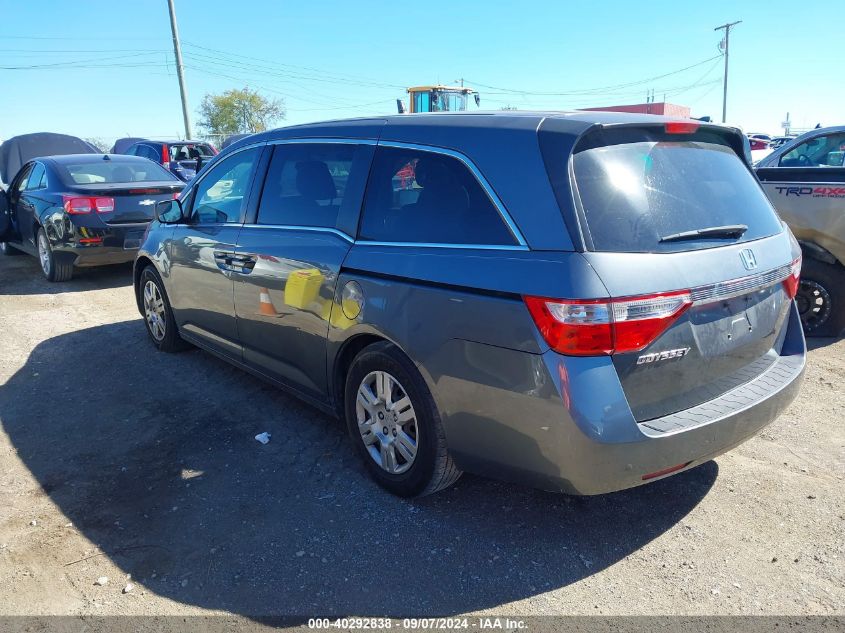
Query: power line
x=276, y=72
x=275, y=64
x=64, y=64
x=588, y=91
x=76, y=38
x=288, y=95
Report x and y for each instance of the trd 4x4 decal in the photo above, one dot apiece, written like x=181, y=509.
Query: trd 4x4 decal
x=815, y=192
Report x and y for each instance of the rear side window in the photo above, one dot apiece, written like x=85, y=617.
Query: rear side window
x=98, y=171
x=37, y=179
x=147, y=151
x=635, y=195
x=189, y=151
x=305, y=184
x=419, y=196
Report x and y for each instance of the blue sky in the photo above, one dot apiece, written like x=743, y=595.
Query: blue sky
x=106, y=66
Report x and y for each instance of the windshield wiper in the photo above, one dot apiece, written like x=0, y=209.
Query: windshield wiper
x=730, y=230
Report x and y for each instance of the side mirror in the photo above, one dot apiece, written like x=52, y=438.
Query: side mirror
x=169, y=211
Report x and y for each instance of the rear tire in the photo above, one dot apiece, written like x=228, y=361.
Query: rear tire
x=158, y=315
x=54, y=266
x=8, y=250
x=404, y=467
x=821, y=298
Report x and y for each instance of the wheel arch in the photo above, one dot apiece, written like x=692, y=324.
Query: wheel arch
x=342, y=361
x=349, y=348
x=811, y=250
x=140, y=264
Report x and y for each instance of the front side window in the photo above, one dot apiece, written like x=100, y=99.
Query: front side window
x=221, y=195
x=305, y=184
x=820, y=151
x=419, y=196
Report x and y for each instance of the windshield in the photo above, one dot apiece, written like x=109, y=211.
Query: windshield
x=190, y=151
x=112, y=171
x=636, y=194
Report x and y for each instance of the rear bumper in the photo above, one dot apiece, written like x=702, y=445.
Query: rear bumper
x=120, y=244
x=570, y=429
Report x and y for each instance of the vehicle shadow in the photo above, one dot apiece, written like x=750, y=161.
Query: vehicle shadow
x=814, y=343
x=158, y=466
x=21, y=275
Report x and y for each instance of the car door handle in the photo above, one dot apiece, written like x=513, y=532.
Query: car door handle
x=221, y=258
x=234, y=262
x=242, y=263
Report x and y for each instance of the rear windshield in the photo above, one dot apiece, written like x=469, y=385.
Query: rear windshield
x=636, y=195
x=110, y=171
x=189, y=151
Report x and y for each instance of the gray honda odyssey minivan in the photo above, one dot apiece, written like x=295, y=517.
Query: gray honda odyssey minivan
x=581, y=302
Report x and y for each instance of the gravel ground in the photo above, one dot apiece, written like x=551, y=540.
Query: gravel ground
x=117, y=461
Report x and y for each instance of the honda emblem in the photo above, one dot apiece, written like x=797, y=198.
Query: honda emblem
x=748, y=259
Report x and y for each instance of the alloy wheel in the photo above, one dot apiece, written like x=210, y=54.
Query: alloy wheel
x=154, y=310
x=387, y=422
x=44, y=253
x=813, y=304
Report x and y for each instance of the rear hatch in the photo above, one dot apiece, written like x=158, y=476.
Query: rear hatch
x=674, y=209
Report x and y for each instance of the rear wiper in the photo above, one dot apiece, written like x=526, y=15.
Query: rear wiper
x=730, y=230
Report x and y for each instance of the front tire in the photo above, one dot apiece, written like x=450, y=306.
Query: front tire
x=55, y=268
x=394, y=423
x=158, y=315
x=821, y=298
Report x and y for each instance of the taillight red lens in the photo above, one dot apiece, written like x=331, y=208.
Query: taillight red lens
x=76, y=205
x=791, y=283
x=104, y=205
x=681, y=127
x=165, y=154
x=599, y=326
x=577, y=328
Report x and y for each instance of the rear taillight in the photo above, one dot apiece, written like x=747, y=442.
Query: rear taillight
x=165, y=154
x=790, y=284
x=77, y=205
x=601, y=326
x=104, y=205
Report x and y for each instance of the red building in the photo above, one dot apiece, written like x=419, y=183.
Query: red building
x=667, y=109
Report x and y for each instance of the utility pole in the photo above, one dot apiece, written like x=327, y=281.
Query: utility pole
x=727, y=28
x=180, y=70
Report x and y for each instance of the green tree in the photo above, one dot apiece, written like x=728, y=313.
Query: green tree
x=239, y=112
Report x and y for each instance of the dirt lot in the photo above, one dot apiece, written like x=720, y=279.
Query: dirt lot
x=116, y=460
